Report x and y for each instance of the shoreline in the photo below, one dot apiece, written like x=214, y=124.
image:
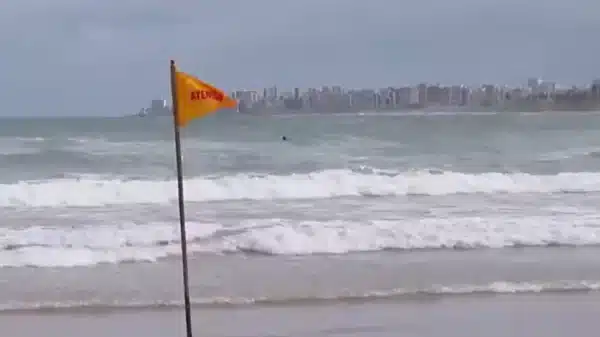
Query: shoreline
x=309, y=282
x=406, y=299
x=533, y=315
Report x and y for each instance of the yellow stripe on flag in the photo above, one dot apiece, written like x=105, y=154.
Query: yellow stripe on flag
x=197, y=99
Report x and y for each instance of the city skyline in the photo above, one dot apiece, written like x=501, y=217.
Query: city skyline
x=106, y=58
x=536, y=95
x=524, y=84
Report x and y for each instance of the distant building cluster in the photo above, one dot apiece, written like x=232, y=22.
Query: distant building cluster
x=536, y=95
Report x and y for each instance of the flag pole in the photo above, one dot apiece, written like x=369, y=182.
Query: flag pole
x=184, y=258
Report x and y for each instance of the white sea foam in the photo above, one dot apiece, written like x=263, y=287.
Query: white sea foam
x=498, y=287
x=19, y=145
x=322, y=184
x=102, y=146
x=90, y=245
x=129, y=242
x=570, y=154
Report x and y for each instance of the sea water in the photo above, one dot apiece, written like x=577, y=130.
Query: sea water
x=349, y=208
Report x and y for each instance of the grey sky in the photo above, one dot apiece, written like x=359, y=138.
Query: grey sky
x=92, y=57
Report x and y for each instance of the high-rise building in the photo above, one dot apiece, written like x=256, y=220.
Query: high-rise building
x=455, y=95
x=272, y=93
x=547, y=87
x=422, y=89
x=596, y=88
x=403, y=97
x=533, y=84
x=414, y=96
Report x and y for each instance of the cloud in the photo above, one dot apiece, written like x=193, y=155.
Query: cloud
x=81, y=57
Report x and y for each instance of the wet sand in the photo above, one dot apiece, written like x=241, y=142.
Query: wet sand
x=546, y=315
x=280, y=279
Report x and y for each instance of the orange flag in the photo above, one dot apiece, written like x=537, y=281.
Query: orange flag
x=197, y=99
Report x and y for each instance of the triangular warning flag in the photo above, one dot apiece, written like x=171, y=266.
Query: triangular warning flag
x=197, y=99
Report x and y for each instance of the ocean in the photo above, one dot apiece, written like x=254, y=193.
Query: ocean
x=407, y=224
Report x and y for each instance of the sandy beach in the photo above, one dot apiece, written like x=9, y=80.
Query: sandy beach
x=316, y=296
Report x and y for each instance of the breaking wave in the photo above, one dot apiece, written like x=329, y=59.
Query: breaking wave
x=66, y=246
x=321, y=184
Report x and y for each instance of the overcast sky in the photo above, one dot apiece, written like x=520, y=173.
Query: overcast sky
x=109, y=57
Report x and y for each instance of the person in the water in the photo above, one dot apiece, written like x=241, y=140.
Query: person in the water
x=284, y=138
